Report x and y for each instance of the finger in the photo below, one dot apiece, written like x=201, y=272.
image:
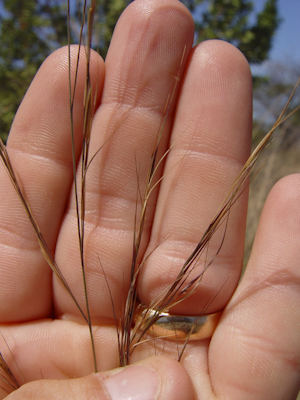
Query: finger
x=156, y=378
x=211, y=142
x=143, y=59
x=255, y=352
x=57, y=349
x=39, y=145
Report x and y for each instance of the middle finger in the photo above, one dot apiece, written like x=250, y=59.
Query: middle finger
x=141, y=66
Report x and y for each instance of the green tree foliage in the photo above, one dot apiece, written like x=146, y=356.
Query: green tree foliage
x=229, y=20
x=31, y=29
x=108, y=13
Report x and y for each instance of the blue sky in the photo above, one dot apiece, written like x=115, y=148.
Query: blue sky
x=287, y=39
x=286, y=43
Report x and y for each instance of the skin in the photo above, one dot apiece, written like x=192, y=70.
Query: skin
x=254, y=352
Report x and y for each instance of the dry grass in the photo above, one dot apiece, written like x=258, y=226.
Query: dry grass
x=280, y=159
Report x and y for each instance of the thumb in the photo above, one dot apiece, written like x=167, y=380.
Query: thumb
x=157, y=378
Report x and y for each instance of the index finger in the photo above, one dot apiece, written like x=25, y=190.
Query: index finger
x=39, y=146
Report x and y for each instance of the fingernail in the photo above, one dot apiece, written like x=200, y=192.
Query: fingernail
x=132, y=383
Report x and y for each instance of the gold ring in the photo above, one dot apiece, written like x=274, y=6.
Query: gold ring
x=176, y=327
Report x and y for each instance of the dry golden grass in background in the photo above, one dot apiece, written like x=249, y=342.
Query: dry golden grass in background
x=280, y=159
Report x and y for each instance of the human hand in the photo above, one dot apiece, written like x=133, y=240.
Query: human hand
x=254, y=352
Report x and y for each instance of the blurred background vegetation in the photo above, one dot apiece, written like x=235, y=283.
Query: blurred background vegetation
x=31, y=29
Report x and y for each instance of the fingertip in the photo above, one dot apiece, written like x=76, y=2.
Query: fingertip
x=146, y=8
x=150, y=41
x=47, y=98
x=260, y=325
x=159, y=378
x=175, y=383
x=224, y=79
x=278, y=233
x=284, y=198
